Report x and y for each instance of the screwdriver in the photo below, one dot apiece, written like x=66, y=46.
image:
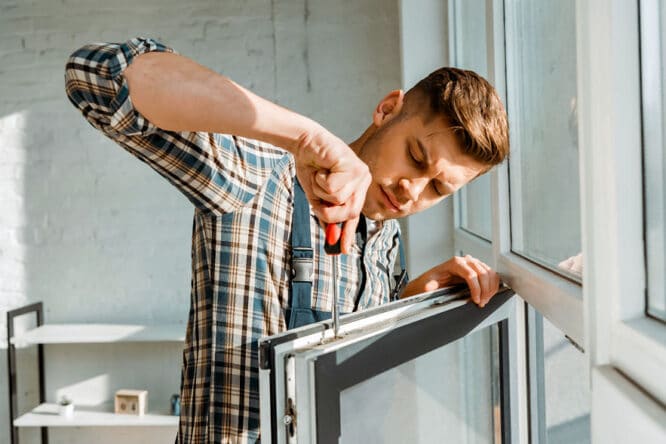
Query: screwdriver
x=333, y=247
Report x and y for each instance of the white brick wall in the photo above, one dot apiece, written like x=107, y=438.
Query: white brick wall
x=96, y=235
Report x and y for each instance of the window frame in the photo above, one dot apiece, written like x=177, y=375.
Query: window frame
x=303, y=371
x=553, y=295
x=627, y=348
x=651, y=44
x=465, y=240
x=491, y=252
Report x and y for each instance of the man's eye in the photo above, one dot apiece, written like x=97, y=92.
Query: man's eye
x=413, y=157
x=438, y=190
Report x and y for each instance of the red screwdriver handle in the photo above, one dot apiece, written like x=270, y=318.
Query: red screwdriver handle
x=333, y=239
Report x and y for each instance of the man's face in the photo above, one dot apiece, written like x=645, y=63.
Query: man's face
x=414, y=165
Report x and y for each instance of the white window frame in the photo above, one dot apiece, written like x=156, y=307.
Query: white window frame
x=464, y=240
x=653, y=149
x=421, y=54
x=554, y=296
x=551, y=294
x=627, y=349
x=488, y=251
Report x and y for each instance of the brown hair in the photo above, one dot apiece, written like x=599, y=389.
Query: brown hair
x=473, y=108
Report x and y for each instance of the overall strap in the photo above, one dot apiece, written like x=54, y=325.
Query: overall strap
x=302, y=257
x=403, y=261
x=402, y=277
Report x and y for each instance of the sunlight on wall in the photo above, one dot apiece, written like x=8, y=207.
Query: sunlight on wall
x=12, y=251
x=12, y=219
x=89, y=392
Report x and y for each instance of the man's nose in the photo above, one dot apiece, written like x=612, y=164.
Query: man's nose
x=411, y=189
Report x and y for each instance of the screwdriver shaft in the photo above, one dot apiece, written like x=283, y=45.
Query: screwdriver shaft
x=334, y=308
x=333, y=247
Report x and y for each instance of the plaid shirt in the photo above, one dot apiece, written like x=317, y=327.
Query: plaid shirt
x=242, y=191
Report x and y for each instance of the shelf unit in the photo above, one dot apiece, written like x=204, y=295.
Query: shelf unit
x=98, y=334
x=46, y=414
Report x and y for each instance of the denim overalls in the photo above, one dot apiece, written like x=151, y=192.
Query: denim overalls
x=302, y=257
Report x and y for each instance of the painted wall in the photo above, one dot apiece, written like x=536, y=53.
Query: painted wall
x=99, y=237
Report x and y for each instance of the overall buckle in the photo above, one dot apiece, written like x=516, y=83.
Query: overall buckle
x=302, y=269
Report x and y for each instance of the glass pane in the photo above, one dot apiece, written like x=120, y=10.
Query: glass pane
x=653, y=47
x=470, y=36
x=476, y=215
x=449, y=392
x=563, y=379
x=471, y=53
x=543, y=167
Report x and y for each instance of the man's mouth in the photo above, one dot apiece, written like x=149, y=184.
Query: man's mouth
x=389, y=201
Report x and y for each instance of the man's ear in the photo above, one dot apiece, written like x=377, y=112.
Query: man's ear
x=389, y=107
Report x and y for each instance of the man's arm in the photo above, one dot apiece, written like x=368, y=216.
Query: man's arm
x=131, y=90
x=178, y=94
x=327, y=168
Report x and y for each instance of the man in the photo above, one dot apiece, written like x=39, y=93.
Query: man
x=243, y=161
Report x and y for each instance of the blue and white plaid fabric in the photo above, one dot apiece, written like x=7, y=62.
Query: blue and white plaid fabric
x=242, y=192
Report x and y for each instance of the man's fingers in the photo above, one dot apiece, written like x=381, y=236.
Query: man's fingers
x=332, y=214
x=351, y=208
x=334, y=179
x=488, y=279
x=337, y=197
x=348, y=235
x=469, y=274
x=336, y=182
x=328, y=191
x=484, y=281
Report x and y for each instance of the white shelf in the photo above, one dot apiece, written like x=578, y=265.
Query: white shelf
x=46, y=415
x=99, y=333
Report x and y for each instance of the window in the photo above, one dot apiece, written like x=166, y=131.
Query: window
x=543, y=166
x=619, y=55
x=469, y=51
x=559, y=385
x=653, y=51
x=393, y=375
x=544, y=213
x=577, y=181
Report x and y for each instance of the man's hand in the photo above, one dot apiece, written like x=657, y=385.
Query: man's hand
x=483, y=282
x=334, y=179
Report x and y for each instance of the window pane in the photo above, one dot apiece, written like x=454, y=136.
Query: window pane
x=475, y=209
x=471, y=53
x=450, y=392
x=653, y=47
x=543, y=167
x=563, y=404
x=470, y=36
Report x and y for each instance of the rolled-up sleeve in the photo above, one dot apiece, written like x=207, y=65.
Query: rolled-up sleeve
x=218, y=173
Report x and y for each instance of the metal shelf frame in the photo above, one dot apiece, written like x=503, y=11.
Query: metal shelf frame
x=37, y=309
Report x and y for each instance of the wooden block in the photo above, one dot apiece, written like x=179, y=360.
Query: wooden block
x=131, y=402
